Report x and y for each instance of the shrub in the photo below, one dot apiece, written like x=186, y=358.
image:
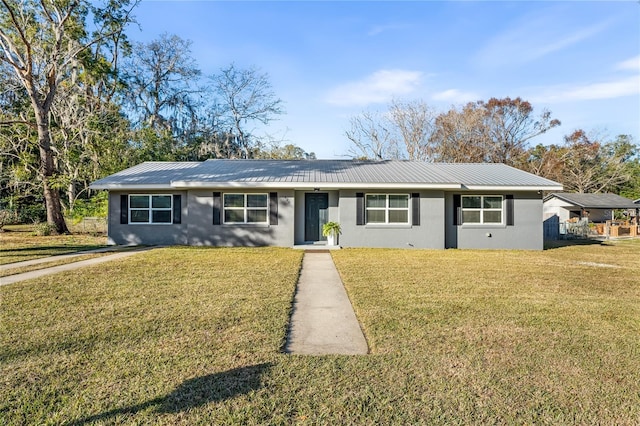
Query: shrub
x=31, y=213
x=96, y=206
x=7, y=217
x=43, y=229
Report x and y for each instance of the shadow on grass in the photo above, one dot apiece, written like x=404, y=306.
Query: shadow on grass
x=61, y=249
x=194, y=393
x=554, y=244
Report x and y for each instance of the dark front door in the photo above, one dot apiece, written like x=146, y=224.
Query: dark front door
x=315, y=215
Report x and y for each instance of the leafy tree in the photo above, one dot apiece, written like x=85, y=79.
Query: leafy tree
x=285, y=152
x=510, y=125
x=40, y=42
x=460, y=136
x=496, y=131
x=161, y=79
x=585, y=164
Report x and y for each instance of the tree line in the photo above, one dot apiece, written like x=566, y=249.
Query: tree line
x=498, y=131
x=79, y=101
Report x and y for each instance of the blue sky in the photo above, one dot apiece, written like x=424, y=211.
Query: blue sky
x=329, y=61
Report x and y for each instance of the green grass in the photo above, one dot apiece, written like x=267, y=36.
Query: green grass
x=194, y=336
x=18, y=244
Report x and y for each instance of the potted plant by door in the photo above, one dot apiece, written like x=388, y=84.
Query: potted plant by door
x=331, y=231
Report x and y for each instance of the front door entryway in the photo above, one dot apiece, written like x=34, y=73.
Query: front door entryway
x=315, y=215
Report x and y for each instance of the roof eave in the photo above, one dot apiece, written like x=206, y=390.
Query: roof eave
x=312, y=185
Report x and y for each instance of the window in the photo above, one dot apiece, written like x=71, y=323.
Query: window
x=482, y=209
x=150, y=209
x=245, y=208
x=387, y=208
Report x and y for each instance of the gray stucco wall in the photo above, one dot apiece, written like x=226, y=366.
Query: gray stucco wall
x=202, y=231
x=526, y=233
x=429, y=234
x=436, y=229
x=135, y=234
x=197, y=226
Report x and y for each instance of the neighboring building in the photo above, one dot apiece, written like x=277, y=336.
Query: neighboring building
x=285, y=203
x=596, y=208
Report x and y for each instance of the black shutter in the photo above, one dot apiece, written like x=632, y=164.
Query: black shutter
x=359, y=208
x=124, y=209
x=509, y=213
x=457, y=210
x=415, y=209
x=216, y=207
x=273, y=208
x=177, y=209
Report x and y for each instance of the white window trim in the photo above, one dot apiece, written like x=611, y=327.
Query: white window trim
x=245, y=208
x=151, y=209
x=386, y=209
x=482, y=209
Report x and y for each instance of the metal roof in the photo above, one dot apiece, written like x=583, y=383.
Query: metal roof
x=323, y=173
x=594, y=201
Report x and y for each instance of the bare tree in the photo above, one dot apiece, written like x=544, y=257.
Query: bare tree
x=414, y=124
x=371, y=138
x=402, y=132
x=245, y=97
x=39, y=41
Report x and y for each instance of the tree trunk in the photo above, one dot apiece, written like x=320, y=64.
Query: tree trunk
x=71, y=193
x=47, y=171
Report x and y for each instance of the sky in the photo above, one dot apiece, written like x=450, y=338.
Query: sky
x=329, y=61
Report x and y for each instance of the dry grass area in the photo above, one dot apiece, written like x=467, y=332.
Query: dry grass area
x=507, y=336
x=194, y=336
x=10, y=269
x=17, y=244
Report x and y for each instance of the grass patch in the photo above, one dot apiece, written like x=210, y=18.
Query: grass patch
x=18, y=244
x=194, y=336
x=7, y=270
x=153, y=336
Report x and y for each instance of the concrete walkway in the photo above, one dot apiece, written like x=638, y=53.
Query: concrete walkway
x=59, y=257
x=323, y=321
x=67, y=267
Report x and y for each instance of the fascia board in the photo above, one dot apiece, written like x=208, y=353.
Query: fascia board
x=511, y=188
x=131, y=187
x=312, y=185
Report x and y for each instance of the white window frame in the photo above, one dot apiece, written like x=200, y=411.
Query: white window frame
x=387, y=209
x=151, y=209
x=245, y=208
x=483, y=209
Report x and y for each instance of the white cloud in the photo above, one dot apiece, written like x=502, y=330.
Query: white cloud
x=455, y=96
x=632, y=64
x=384, y=28
x=379, y=87
x=628, y=86
x=519, y=46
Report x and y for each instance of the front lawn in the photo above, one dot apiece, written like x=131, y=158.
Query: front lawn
x=194, y=336
x=506, y=336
